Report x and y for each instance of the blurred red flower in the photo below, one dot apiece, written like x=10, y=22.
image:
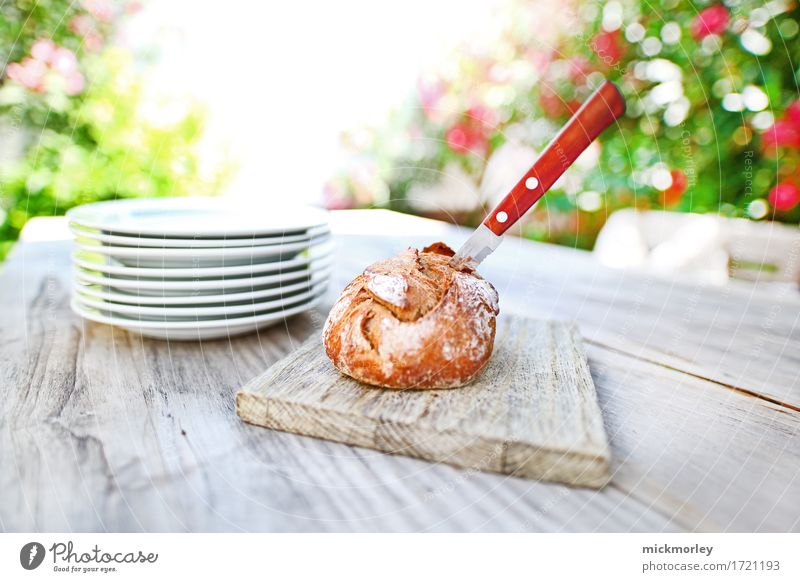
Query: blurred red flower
x=783, y=133
x=471, y=133
x=793, y=113
x=784, y=196
x=465, y=138
x=674, y=193
x=712, y=20
x=609, y=47
x=552, y=105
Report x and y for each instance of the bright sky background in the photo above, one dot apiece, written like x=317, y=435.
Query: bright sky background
x=283, y=79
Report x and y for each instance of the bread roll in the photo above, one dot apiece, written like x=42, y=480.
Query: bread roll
x=413, y=321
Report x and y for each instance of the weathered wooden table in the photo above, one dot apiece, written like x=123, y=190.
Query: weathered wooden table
x=101, y=430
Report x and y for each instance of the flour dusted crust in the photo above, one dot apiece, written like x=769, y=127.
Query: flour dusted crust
x=413, y=321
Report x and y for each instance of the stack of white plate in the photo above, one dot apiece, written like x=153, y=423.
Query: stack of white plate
x=197, y=268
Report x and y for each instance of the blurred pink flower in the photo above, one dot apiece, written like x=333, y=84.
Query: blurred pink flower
x=484, y=116
x=74, y=83
x=579, y=68
x=102, y=10
x=784, y=196
x=29, y=73
x=712, y=20
x=540, y=60
x=333, y=199
x=81, y=24
x=133, y=7
x=47, y=58
x=43, y=50
x=64, y=61
x=783, y=133
x=93, y=41
x=429, y=95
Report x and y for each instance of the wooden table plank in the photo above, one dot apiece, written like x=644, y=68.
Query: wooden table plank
x=102, y=430
x=718, y=458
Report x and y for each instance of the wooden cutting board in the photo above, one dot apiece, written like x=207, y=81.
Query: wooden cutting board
x=532, y=413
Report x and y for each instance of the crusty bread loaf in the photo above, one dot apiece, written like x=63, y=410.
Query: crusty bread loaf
x=413, y=321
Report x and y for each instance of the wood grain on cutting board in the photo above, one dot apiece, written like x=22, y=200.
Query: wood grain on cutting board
x=532, y=413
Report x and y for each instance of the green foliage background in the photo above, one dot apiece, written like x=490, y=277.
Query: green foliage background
x=111, y=140
x=530, y=78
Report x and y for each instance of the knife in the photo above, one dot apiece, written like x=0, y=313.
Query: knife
x=601, y=109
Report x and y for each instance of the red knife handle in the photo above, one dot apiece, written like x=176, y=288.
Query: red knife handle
x=600, y=110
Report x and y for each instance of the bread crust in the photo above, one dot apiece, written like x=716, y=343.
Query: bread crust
x=413, y=321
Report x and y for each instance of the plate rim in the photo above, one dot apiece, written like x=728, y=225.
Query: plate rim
x=194, y=243
x=144, y=300
x=171, y=285
x=78, y=214
x=231, y=253
x=325, y=251
x=181, y=325
x=222, y=311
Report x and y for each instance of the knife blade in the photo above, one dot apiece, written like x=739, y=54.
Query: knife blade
x=599, y=111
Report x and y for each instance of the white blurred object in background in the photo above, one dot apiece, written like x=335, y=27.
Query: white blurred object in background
x=700, y=247
x=453, y=192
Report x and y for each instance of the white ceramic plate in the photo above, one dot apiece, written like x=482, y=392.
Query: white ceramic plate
x=97, y=292
x=195, y=330
x=156, y=288
x=195, y=217
x=104, y=264
x=89, y=236
x=189, y=258
x=194, y=313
